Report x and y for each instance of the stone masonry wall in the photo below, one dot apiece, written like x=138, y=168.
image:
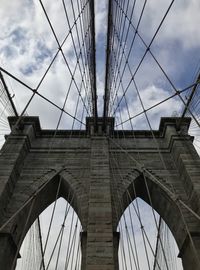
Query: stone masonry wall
x=97, y=172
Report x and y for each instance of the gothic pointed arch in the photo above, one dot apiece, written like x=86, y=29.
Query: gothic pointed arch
x=160, y=198
x=38, y=196
x=158, y=195
x=53, y=240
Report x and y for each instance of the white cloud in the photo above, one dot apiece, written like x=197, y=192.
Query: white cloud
x=101, y=17
x=181, y=23
x=27, y=49
x=151, y=95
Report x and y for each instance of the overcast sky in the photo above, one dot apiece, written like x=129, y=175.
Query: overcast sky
x=27, y=47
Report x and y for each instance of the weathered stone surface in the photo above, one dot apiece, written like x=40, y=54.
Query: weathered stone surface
x=97, y=172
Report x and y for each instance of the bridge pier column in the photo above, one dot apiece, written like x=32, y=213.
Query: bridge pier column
x=8, y=251
x=83, y=249
x=101, y=245
x=190, y=252
x=12, y=157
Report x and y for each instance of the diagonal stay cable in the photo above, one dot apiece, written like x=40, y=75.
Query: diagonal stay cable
x=110, y=47
x=120, y=25
x=84, y=56
x=116, y=88
x=137, y=212
x=62, y=228
x=176, y=91
x=47, y=70
x=70, y=85
x=106, y=91
x=125, y=41
x=144, y=234
x=50, y=223
x=64, y=40
x=8, y=94
x=113, y=18
x=78, y=55
x=89, y=55
x=126, y=102
x=115, y=45
x=175, y=199
x=163, y=71
x=128, y=197
x=40, y=95
x=146, y=51
x=93, y=60
x=43, y=77
x=61, y=50
x=140, y=167
x=155, y=105
x=85, y=50
x=132, y=43
x=58, y=123
x=83, y=22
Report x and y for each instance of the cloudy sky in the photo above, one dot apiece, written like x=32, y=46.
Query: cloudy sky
x=27, y=47
x=176, y=48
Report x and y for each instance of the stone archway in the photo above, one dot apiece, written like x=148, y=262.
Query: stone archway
x=146, y=240
x=176, y=217
x=35, y=200
x=53, y=240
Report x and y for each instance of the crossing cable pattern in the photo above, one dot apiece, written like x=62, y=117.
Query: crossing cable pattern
x=134, y=247
x=7, y=108
x=72, y=261
x=124, y=62
x=193, y=104
x=116, y=97
x=53, y=250
x=168, y=246
x=80, y=73
x=32, y=248
x=63, y=248
x=85, y=68
x=121, y=77
x=67, y=238
x=90, y=49
x=163, y=257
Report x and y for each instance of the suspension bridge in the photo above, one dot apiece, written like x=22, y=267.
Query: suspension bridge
x=99, y=180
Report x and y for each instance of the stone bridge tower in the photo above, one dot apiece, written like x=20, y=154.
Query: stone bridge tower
x=33, y=160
